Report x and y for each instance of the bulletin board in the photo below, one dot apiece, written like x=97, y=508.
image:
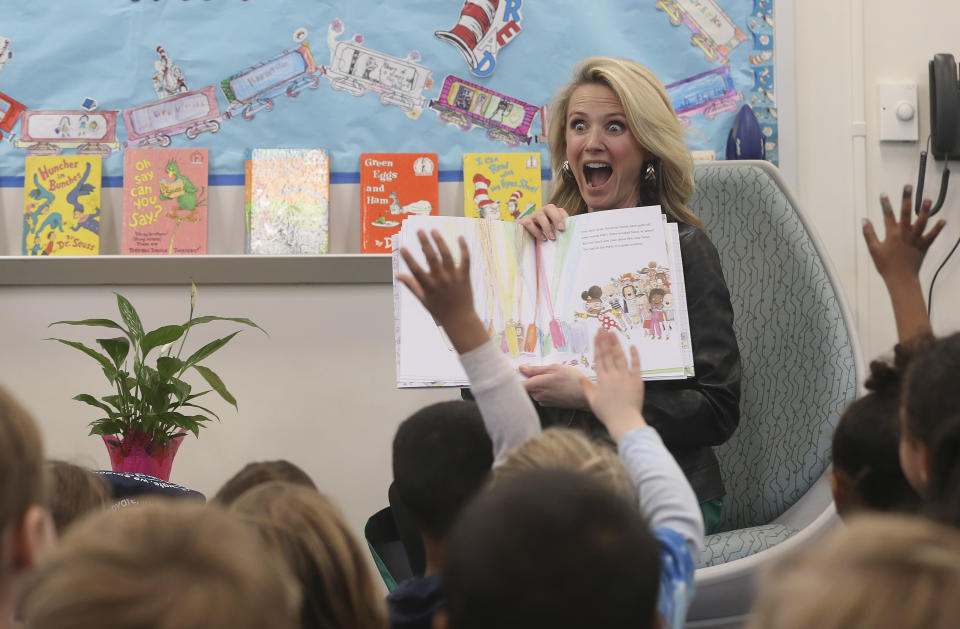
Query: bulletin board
x=354, y=76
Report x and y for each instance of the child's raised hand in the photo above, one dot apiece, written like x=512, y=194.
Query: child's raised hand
x=444, y=290
x=617, y=397
x=904, y=245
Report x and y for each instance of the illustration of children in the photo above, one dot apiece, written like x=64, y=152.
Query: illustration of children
x=656, y=312
x=631, y=305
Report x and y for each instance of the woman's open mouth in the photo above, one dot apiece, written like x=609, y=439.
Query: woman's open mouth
x=596, y=174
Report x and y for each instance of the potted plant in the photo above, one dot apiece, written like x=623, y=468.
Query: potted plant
x=151, y=407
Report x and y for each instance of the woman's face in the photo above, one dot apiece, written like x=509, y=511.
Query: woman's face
x=605, y=158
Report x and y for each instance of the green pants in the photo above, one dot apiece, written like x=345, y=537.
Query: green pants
x=711, y=510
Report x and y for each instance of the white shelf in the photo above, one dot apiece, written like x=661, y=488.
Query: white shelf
x=113, y=270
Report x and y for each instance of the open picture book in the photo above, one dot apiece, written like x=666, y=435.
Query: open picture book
x=543, y=302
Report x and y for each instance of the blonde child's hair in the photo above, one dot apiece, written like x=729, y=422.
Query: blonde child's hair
x=303, y=526
x=652, y=121
x=570, y=449
x=879, y=572
x=163, y=565
x=22, y=477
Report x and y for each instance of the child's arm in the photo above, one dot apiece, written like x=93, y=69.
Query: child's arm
x=898, y=259
x=444, y=290
x=663, y=491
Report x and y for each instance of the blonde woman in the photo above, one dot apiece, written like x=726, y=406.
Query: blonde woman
x=301, y=525
x=615, y=142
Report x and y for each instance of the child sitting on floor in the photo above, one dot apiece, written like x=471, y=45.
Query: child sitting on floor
x=259, y=472
x=163, y=564
x=550, y=549
x=26, y=529
x=866, y=464
x=441, y=458
x=300, y=525
x=662, y=491
x=879, y=572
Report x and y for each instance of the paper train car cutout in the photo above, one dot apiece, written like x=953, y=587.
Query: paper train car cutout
x=467, y=104
x=253, y=89
x=49, y=132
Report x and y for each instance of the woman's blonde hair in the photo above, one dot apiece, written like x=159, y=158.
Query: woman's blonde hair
x=304, y=527
x=569, y=449
x=879, y=572
x=164, y=565
x=652, y=122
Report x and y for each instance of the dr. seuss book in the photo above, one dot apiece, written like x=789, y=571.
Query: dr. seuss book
x=61, y=206
x=165, y=201
x=501, y=185
x=392, y=187
x=287, y=201
x=543, y=302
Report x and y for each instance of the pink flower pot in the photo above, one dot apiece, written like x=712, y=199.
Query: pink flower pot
x=135, y=452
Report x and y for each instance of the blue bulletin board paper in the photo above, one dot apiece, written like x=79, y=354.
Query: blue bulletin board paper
x=352, y=76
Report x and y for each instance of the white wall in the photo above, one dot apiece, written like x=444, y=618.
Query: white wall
x=899, y=39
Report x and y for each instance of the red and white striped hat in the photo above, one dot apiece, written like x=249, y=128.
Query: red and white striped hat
x=480, y=192
x=476, y=16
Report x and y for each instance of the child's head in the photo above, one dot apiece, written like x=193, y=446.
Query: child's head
x=442, y=456
x=552, y=549
x=254, y=474
x=25, y=528
x=879, y=572
x=162, y=565
x=302, y=526
x=929, y=398
x=567, y=448
x=866, y=463
x=74, y=491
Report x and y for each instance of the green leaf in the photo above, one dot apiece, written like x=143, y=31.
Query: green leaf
x=100, y=358
x=130, y=317
x=105, y=427
x=92, y=401
x=208, y=349
x=97, y=323
x=181, y=389
x=167, y=366
x=216, y=384
x=116, y=348
x=161, y=336
x=202, y=408
x=209, y=318
x=113, y=400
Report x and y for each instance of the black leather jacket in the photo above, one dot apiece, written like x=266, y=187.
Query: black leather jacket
x=693, y=414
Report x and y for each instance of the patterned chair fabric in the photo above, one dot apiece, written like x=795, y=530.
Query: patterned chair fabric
x=799, y=369
x=731, y=545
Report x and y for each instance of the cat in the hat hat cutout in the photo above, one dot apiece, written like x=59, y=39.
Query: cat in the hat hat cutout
x=483, y=28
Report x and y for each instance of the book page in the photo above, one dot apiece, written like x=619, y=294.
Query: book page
x=675, y=307
x=611, y=270
x=504, y=292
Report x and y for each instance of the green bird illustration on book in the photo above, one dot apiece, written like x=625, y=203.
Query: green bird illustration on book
x=177, y=186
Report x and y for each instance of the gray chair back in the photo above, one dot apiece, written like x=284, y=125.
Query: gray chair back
x=798, y=355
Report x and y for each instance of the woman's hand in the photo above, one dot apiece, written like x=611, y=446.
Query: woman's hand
x=904, y=246
x=445, y=291
x=554, y=385
x=617, y=397
x=544, y=223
